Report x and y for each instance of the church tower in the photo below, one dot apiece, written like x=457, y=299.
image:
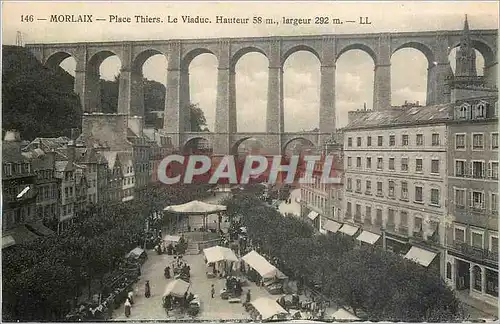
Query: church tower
x=466, y=55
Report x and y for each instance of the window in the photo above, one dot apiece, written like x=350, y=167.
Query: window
x=358, y=212
x=494, y=244
x=435, y=139
x=420, y=139
x=358, y=185
x=404, y=164
x=477, y=200
x=380, y=164
x=368, y=213
x=368, y=162
x=66, y=192
x=460, y=141
x=392, y=140
x=358, y=162
x=349, y=141
x=448, y=270
x=378, y=219
x=477, y=239
x=417, y=226
x=477, y=141
x=369, y=141
x=460, y=197
x=459, y=168
x=435, y=166
x=494, y=201
x=380, y=140
x=493, y=170
x=494, y=141
x=391, y=164
x=358, y=141
x=403, y=220
x=404, y=190
x=379, y=188
x=404, y=140
x=349, y=161
x=418, y=165
x=459, y=235
x=480, y=110
x=349, y=209
x=391, y=188
x=418, y=194
x=368, y=187
x=435, y=197
x=390, y=218
x=349, y=184
x=478, y=169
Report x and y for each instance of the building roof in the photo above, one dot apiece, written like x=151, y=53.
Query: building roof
x=395, y=116
x=110, y=157
x=33, y=154
x=61, y=166
x=11, y=152
x=49, y=142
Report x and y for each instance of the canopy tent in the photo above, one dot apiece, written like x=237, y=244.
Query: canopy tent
x=262, y=266
x=312, y=215
x=368, y=237
x=331, y=226
x=195, y=207
x=267, y=307
x=176, y=288
x=135, y=253
x=420, y=256
x=171, y=238
x=219, y=253
x=342, y=314
x=348, y=229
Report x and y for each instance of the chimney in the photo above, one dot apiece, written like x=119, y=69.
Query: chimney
x=12, y=136
x=71, y=151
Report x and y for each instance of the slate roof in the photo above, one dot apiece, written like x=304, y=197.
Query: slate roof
x=395, y=116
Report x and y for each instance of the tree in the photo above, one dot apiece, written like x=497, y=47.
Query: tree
x=197, y=119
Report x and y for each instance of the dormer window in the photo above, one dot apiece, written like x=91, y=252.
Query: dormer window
x=463, y=111
x=481, y=110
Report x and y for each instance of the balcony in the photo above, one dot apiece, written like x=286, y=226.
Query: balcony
x=473, y=251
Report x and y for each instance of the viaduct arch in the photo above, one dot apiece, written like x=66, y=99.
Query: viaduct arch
x=435, y=45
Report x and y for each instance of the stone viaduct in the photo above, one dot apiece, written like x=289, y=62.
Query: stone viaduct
x=435, y=45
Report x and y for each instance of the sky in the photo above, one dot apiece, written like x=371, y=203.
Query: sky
x=354, y=72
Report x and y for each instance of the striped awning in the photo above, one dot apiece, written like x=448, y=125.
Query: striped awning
x=368, y=237
x=331, y=226
x=312, y=215
x=348, y=229
x=420, y=256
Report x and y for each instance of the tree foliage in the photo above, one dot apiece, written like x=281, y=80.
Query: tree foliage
x=379, y=283
x=41, y=277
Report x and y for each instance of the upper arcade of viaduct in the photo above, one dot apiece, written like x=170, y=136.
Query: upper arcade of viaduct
x=435, y=45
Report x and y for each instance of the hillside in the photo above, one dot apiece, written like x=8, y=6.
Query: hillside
x=36, y=100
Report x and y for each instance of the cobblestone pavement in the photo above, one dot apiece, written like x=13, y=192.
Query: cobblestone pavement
x=294, y=206
x=211, y=308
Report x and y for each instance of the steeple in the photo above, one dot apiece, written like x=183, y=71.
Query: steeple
x=466, y=55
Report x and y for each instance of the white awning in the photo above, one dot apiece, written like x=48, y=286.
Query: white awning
x=368, y=237
x=172, y=238
x=176, y=288
x=195, y=207
x=262, y=266
x=331, y=226
x=343, y=315
x=219, y=253
x=7, y=241
x=312, y=215
x=267, y=307
x=135, y=253
x=420, y=256
x=348, y=229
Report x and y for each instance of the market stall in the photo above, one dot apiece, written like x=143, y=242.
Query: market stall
x=273, y=279
x=219, y=260
x=137, y=254
x=175, y=295
x=266, y=309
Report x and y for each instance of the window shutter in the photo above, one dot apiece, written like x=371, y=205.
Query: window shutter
x=483, y=167
x=469, y=195
x=470, y=169
x=483, y=196
x=490, y=170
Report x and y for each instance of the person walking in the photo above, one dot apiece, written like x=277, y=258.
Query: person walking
x=128, y=306
x=130, y=297
x=212, y=291
x=249, y=296
x=147, y=290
